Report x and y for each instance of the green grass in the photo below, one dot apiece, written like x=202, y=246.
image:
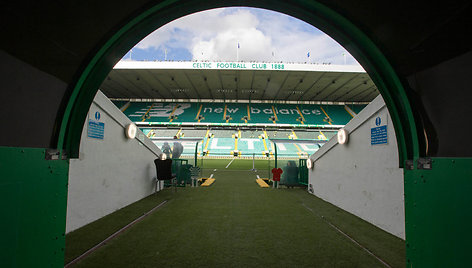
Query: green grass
x=241, y=164
x=234, y=223
x=237, y=164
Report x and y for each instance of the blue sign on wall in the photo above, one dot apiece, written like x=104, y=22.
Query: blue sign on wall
x=96, y=130
x=378, y=135
x=378, y=130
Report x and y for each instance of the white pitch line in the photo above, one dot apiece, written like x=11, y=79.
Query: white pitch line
x=230, y=162
x=211, y=176
x=347, y=236
x=86, y=253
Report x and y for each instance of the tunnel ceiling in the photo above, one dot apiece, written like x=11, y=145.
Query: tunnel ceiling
x=58, y=37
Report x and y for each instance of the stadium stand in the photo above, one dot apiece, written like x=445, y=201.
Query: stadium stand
x=288, y=114
x=307, y=134
x=212, y=112
x=193, y=133
x=282, y=134
x=232, y=141
x=222, y=133
x=237, y=113
x=337, y=114
x=250, y=134
x=221, y=144
x=356, y=108
x=121, y=104
x=167, y=133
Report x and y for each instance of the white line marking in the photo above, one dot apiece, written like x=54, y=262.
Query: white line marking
x=347, y=236
x=211, y=176
x=230, y=162
x=114, y=235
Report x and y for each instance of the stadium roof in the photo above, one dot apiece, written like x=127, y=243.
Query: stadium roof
x=238, y=81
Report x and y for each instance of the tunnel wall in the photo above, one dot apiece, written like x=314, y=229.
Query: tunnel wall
x=361, y=178
x=110, y=173
x=30, y=99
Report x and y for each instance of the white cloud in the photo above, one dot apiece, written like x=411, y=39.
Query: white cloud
x=214, y=35
x=253, y=45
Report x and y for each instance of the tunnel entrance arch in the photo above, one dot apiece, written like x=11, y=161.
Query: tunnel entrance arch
x=345, y=32
x=316, y=14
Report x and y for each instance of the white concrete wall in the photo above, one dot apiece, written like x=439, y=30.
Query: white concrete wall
x=361, y=178
x=110, y=173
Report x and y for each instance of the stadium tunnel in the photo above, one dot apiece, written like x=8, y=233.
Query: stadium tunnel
x=55, y=56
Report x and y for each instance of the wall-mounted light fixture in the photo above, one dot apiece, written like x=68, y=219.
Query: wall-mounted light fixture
x=131, y=130
x=343, y=136
x=309, y=164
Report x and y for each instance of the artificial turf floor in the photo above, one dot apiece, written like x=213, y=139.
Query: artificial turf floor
x=234, y=223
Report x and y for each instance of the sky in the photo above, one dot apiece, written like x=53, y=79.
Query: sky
x=260, y=34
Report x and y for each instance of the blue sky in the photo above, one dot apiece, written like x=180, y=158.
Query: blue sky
x=262, y=35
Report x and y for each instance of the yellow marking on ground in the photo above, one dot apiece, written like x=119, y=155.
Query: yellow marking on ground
x=261, y=183
x=294, y=135
x=208, y=182
x=248, y=114
x=198, y=114
x=275, y=115
x=347, y=110
x=324, y=137
x=300, y=112
x=173, y=111
x=329, y=118
x=126, y=106
x=144, y=116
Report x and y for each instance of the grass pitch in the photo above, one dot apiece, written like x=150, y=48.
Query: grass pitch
x=234, y=223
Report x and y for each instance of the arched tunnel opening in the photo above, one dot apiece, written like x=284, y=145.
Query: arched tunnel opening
x=289, y=108
x=56, y=57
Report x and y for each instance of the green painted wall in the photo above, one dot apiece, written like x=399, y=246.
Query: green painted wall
x=438, y=212
x=33, y=194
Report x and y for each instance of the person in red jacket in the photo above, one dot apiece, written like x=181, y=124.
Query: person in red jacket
x=276, y=172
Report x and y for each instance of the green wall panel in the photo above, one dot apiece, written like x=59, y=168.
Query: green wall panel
x=33, y=192
x=438, y=212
